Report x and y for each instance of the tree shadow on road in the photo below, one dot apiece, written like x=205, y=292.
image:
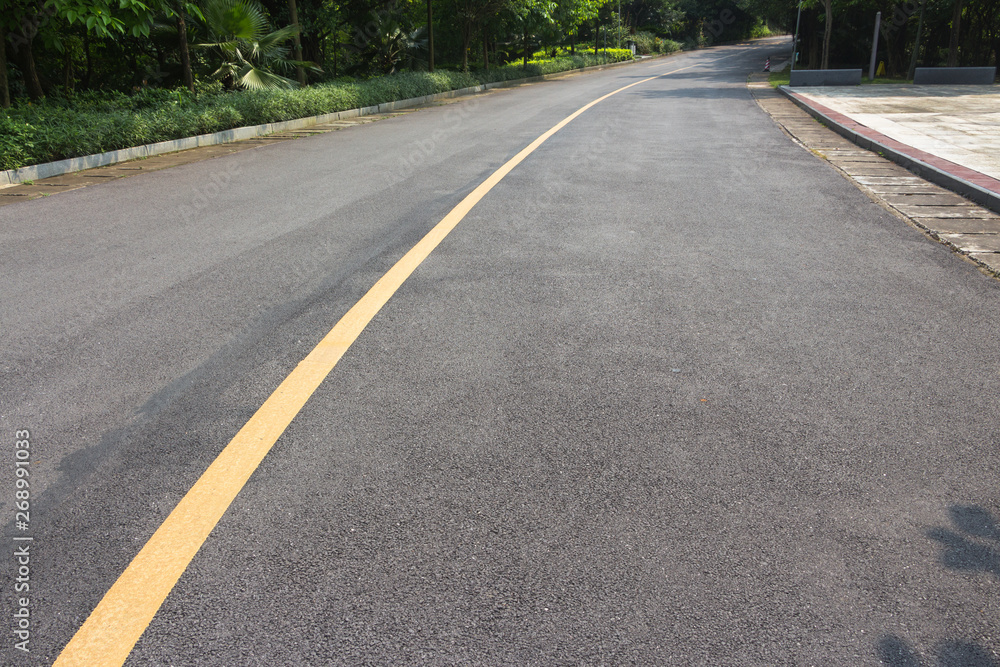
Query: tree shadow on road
x=971, y=545
x=896, y=652
x=975, y=545
x=701, y=92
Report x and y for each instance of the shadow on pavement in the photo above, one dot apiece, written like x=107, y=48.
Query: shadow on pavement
x=896, y=652
x=705, y=93
x=964, y=550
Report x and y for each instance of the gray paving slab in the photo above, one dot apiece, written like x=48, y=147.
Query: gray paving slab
x=929, y=207
x=961, y=226
x=957, y=123
x=957, y=211
x=890, y=180
x=974, y=243
x=896, y=189
x=992, y=260
x=926, y=200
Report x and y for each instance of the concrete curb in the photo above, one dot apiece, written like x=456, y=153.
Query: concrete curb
x=50, y=169
x=979, y=195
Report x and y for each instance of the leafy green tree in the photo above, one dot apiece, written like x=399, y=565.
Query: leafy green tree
x=121, y=17
x=22, y=20
x=471, y=15
x=178, y=10
x=240, y=33
x=571, y=15
x=387, y=42
x=107, y=19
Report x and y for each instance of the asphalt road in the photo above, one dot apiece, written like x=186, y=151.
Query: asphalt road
x=674, y=392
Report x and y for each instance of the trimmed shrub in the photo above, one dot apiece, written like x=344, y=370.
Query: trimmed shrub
x=760, y=29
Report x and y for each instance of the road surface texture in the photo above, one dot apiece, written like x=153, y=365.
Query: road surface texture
x=674, y=392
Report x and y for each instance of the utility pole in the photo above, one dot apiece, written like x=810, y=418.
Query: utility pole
x=871, y=66
x=795, y=41
x=916, y=42
x=297, y=42
x=430, y=37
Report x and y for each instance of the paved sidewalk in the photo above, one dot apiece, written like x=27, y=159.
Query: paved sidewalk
x=954, y=130
x=967, y=228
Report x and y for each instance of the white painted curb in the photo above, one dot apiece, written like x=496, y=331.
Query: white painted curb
x=50, y=169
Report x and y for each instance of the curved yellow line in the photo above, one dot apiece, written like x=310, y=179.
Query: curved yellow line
x=110, y=632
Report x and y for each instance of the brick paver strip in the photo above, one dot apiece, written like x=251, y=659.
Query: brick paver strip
x=945, y=216
x=956, y=170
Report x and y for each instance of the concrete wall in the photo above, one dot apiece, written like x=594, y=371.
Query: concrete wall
x=954, y=76
x=825, y=77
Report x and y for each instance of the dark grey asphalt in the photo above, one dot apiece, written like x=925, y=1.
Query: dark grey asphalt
x=675, y=392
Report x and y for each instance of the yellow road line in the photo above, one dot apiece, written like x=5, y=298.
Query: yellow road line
x=110, y=632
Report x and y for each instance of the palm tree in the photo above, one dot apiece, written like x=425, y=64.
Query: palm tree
x=239, y=31
x=386, y=45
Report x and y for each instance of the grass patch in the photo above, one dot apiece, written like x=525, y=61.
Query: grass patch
x=780, y=78
x=880, y=80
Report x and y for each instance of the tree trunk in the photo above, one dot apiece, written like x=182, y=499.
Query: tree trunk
x=572, y=44
x=4, y=87
x=486, y=50
x=86, y=53
x=466, y=37
x=956, y=27
x=916, y=43
x=827, y=32
x=525, y=49
x=182, y=44
x=67, y=72
x=597, y=34
x=27, y=59
x=430, y=37
x=297, y=42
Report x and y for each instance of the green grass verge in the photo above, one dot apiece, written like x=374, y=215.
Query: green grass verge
x=880, y=80
x=781, y=79
x=90, y=123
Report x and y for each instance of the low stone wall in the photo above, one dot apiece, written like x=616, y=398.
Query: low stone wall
x=825, y=77
x=954, y=76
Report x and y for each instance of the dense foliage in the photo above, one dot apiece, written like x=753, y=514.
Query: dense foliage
x=96, y=122
x=63, y=47
x=88, y=75
x=935, y=32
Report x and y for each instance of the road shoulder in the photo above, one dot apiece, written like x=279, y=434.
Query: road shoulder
x=967, y=228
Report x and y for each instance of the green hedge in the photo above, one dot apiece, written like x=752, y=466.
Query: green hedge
x=648, y=43
x=97, y=122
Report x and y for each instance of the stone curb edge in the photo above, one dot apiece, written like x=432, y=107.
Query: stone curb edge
x=979, y=195
x=50, y=169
